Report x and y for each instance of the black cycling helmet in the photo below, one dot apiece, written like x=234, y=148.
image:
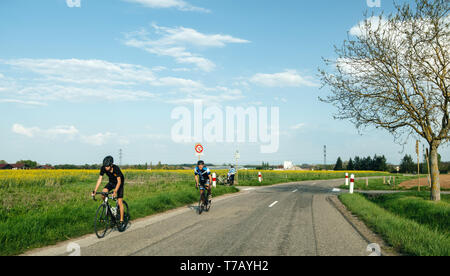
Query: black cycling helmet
x=108, y=161
x=200, y=163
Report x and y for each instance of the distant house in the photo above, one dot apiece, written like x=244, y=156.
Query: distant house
x=5, y=167
x=45, y=167
x=288, y=165
x=18, y=166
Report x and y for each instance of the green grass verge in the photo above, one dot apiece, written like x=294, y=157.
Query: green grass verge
x=416, y=206
x=37, y=216
x=376, y=184
x=407, y=235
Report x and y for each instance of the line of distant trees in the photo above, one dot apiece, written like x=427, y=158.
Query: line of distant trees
x=377, y=163
x=408, y=165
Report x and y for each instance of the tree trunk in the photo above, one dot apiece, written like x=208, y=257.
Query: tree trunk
x=435, y=184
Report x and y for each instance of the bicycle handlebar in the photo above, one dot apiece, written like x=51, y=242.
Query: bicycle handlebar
x=103, y=194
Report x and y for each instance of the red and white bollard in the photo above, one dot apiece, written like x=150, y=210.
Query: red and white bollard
x=214, y=178
x=352, y=183
x=346, y=179
x=259, y=177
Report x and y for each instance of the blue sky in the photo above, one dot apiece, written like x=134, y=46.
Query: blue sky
x=82, y=79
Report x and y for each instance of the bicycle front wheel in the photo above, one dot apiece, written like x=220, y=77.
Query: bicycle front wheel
x=102, y=220
x=200, y=205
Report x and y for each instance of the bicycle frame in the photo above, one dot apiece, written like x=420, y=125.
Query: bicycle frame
x=108, y=206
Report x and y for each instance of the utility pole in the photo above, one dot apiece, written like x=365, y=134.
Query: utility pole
x=120, y=157
x=325, y=156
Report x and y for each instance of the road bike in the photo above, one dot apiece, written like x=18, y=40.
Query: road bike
x=108, y=217
x=204, y=204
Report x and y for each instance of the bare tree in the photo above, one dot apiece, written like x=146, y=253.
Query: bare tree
x=392, y=72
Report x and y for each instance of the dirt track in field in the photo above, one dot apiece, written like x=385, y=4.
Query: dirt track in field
x=444, y=179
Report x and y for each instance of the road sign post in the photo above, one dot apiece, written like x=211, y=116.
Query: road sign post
x=237, y=156
x=199, y=150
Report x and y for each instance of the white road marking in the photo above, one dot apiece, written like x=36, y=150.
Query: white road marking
x=248, y=189
x=336, y=190
x=314, y=183
x=294, y=190
x=273, y=204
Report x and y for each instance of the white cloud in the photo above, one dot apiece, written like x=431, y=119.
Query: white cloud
x=297, y=126
x=67, y=131
x=70, y=133
x=173, y=42
x=284, y=100
x=19, y=129
x=215, y=95
x=40, y=81
x=160, y=4
x=98, y=139
x=288, y=78
x=78, y=80
x=20, y=101
x=73, y=3
x=85, y=71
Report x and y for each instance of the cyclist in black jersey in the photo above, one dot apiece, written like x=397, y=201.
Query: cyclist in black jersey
x=116, y=183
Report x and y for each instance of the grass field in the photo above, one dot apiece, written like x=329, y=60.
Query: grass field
x=409, y=222
x=39, y=207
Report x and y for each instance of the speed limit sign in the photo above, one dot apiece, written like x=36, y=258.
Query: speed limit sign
x=198, y=148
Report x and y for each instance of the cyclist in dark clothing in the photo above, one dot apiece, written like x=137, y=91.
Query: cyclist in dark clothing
x=116, y=183
x=203, y=178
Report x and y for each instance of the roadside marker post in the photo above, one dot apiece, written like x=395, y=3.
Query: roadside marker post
x=346, y=179
x=352, y=183
x=259, y=177
x=214, y=179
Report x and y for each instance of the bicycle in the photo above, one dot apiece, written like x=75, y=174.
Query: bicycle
x=108, y=217
x=204, y=204
x=230, y=180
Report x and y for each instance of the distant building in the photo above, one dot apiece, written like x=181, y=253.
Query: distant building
x=288, y=165
x=18, y=166
x=45, y=167
x=5, y=167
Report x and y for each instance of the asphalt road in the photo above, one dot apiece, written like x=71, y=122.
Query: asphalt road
x=284, y=220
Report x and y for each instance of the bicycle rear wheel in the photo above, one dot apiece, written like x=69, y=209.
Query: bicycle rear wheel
x=102, y=221
x=208, y=203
